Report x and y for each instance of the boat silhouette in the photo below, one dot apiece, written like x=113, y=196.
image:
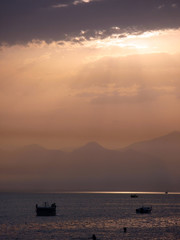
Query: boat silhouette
x=46, y=209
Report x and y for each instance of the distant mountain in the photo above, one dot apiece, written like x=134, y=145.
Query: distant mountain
x=91, y=146
x=145, y=166
x=165, y=147
x=171, y=138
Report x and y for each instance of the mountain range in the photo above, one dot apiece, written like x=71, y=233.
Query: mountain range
x=152, y=165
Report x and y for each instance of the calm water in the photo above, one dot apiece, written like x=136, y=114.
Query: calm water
x=81, y=215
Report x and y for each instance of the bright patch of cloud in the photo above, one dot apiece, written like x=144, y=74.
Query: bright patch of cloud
x=174, y=5
x=161, y=6
x=60, y=6
x=76, y=2
x=125, y=44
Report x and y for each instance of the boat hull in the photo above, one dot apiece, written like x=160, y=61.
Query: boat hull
x=144, y=210
x=46, y=210
x=40, y=211
x=134, y=196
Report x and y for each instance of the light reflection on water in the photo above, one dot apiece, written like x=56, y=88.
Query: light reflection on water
x=81, y=215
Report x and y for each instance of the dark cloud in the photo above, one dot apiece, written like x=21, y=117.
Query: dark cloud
x=21, y=21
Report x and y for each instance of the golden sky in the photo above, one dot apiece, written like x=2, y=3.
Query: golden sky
x=114, y=91
x=114, y=88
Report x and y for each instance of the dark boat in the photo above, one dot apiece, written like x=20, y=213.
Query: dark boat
x=144, y=209
x=46, y=210
x=134, y=196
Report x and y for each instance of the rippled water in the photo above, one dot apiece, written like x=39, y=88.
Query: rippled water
x=81, y=215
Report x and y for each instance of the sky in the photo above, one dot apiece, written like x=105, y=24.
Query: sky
x=74, y=71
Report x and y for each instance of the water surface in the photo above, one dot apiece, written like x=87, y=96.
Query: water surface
x=79, y=215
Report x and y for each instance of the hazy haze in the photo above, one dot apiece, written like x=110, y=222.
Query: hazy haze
x=145, y=166
x=77, y=71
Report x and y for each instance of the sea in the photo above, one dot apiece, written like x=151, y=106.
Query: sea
x=82, y=214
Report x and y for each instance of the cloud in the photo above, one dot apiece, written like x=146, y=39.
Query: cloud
x=171, y=5
x=76, y=2
x=174, y=5
x=66, y=94
x=60, y=6
x=23, y=21
x=141, y=95
x=131, y=79
x=161, y=6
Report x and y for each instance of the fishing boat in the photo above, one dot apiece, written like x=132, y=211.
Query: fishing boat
x=144, y=209
x=134, y=196
x=46, y=209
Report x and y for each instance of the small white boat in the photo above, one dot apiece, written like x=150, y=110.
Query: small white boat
x=144, y=209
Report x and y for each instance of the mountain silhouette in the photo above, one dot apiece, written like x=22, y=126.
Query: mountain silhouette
x=90, y=147
x=151, y=165
x=165, y=147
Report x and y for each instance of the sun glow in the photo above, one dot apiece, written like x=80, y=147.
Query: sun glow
x=116, y=44
x=166, y=41
x=147, y=42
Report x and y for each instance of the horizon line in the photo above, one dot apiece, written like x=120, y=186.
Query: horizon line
x=111, y=192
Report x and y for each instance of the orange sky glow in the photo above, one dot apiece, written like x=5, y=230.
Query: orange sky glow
x=115, y=90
